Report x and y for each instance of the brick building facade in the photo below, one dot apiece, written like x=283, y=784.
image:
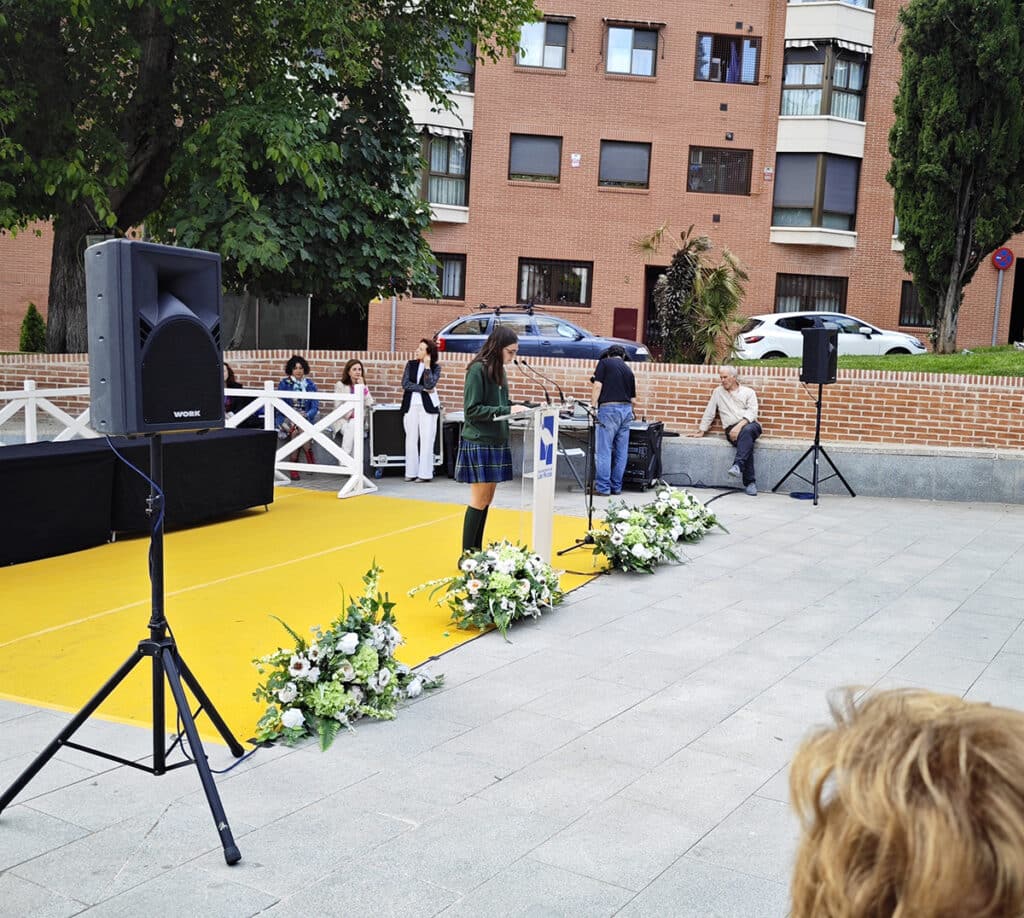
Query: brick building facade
x=692, y=86
x=762, y=123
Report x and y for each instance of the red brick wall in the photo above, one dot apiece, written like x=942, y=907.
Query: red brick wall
x=24, y=278
x=864, y=406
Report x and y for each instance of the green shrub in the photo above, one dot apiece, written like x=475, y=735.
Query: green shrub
x=33, y=332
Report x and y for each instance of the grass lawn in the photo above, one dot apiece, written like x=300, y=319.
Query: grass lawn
x=981, y=361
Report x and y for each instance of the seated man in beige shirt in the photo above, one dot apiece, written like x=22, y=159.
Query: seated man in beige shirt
x=736, y=405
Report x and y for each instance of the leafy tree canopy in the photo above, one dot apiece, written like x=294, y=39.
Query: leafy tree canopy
x=957, y=145
x=109, y=108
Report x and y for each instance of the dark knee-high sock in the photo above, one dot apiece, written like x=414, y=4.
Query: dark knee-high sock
x=480, y=527
x=472, y=528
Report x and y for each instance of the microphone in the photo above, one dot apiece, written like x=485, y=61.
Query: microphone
x=522, y=364
x=553, y=382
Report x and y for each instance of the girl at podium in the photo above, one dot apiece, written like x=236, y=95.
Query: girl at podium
x=485, y=457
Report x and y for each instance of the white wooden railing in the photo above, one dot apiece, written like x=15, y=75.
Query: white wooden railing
x=270, y=401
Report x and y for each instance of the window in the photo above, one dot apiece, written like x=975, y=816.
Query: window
x=815, y=189
x=809, y=293
x=727, y=58
x=824, y=80
x=716, y=171
x=521, y=325
x=477, y=325
x=632, y=51
x=447, y=170
x=461, y=68
x=451, y=276
x=542, y=44
x=534, y=158
x=564, y=283
x=911, y=310
x=624, y=165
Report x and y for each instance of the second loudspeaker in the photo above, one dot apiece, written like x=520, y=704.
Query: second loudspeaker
x=821, y=355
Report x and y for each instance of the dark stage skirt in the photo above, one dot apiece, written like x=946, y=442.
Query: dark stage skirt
x=478, y=462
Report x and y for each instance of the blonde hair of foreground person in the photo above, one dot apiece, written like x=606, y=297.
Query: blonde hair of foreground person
x=912, y=806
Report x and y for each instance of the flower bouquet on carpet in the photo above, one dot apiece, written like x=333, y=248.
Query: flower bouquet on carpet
x=497, y=586
x=341, y=674
x=682, y=513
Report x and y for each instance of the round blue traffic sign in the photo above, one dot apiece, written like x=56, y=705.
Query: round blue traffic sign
x=1002, y=258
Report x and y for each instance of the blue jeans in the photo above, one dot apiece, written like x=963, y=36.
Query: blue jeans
x=745, y=450
x=612, y=446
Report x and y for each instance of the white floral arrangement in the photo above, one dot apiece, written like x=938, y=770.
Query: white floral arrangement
x=497, y=586
x=341, y=674
x=639, y=538
x=683, y=513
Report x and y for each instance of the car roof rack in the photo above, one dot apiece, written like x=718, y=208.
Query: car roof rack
x=528, y=308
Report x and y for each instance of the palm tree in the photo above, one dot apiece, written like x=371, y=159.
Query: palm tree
x=698, y=304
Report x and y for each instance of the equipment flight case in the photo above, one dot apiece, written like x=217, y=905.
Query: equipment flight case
x=643, y=467
x=387, y=438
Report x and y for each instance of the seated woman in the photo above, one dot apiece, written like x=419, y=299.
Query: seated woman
x=352, y=381
x=912, y=806
x=297, y=380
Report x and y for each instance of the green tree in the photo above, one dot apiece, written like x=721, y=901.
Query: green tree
x=100, y=100
x=957, y=146
x=33, y=332
x=697, y=303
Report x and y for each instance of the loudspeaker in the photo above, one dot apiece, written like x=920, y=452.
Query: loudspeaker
x=155, y=359
x=821, y=353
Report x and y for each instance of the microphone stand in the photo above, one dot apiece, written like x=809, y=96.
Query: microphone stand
x=588, y=489
x=523, y=365
x=549, y=379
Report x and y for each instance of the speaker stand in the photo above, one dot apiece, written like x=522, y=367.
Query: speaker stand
x=814, y=450
x=166, y=662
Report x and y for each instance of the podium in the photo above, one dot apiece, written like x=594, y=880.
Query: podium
x=543, y=422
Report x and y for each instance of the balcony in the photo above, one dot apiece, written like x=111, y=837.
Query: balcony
x=813, y=235
x=840, y=21
x=820, y=134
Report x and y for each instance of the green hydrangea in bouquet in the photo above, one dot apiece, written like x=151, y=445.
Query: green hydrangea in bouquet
x=497, y=586
x=339, y=675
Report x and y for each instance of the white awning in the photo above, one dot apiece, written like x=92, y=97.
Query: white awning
x=440, y=130
x=816, y=42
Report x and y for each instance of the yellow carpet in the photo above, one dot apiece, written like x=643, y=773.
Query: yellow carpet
x=67, y=623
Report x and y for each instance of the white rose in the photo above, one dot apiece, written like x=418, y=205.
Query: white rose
x=616, y=538
x=474, y=585
x=348, y=643
x=287, y=694
x=313, y=653
x=378, y=637
x=293, y=717
x=468, y=564
x=415, y=687
x=298, y=666
x=383, y=677
x=314, y=674
x=394, y=636
x=371, y=683
x=358, y=695
x=345, y=671
x=639, y=550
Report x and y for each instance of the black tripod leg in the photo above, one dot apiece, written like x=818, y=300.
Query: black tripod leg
x=796, y=465
x=211, y=711
x=231, y=853
x=80, y=718
x=839, y=474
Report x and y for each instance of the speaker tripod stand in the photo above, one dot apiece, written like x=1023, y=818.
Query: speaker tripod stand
x=161, y=650
x=588, y=479
x=815, y=449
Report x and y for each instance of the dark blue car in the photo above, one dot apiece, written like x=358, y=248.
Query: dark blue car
x=540, y=335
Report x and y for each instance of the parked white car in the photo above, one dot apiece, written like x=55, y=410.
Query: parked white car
x=779, y=335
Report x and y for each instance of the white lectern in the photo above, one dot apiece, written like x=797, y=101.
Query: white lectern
x=541, y=468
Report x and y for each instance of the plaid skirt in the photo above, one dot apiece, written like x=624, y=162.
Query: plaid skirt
x=479, y=462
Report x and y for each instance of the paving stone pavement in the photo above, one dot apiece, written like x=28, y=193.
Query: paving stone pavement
x=624, y=755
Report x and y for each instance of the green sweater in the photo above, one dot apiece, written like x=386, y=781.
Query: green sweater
x=483, y=400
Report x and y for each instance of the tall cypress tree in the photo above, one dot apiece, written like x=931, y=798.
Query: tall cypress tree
x=957, y=145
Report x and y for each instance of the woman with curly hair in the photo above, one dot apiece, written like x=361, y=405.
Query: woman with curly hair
x=912, y=806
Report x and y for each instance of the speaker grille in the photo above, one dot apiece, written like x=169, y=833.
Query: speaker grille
x=181, y=375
